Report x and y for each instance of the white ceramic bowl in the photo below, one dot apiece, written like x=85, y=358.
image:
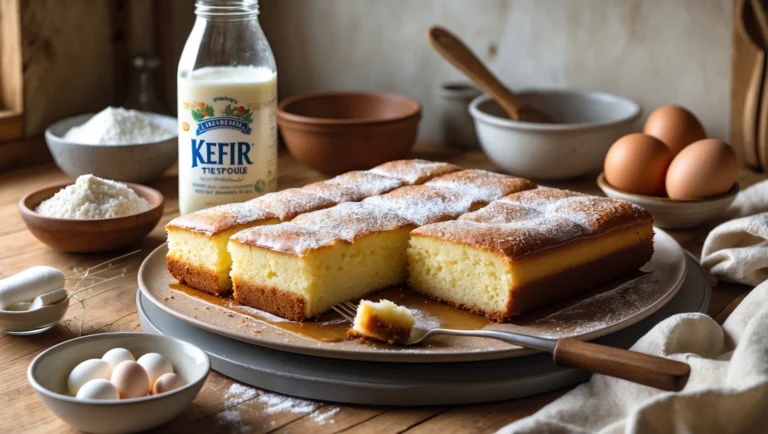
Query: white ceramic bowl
x=674, y=214
x=128, y=163
x=588, y=124
x=48, y=374
x=32, y=322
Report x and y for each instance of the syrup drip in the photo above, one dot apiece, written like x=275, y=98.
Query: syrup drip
x=331, y=327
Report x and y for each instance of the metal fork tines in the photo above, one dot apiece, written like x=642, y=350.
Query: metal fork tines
x=347, y=310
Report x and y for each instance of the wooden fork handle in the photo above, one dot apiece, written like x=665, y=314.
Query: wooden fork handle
x=637, y=367
x=453, y=50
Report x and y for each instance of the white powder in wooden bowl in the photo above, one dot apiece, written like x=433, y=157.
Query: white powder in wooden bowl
x=118, y=126
x=93, y=198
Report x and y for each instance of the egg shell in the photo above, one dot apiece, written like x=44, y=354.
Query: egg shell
x=637, y=163
x=155, y=365
x=166, y=383
x=130, y=379
x=86, y=371
x=675, y=126
x=98, y=389
x=117, y=355
x=703, y=169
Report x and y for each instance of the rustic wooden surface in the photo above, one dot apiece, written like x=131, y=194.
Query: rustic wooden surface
x=216, y=409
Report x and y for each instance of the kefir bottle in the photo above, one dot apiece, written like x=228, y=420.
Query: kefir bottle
x=227, y=89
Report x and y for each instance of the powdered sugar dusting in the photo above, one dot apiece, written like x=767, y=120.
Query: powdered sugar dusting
x=275, y=403
x=599, y=311
x=351, y=221
x=287, y=238
x=481, y=185
x=289, y=203
x=325, y=416
x=414, y=171
x=353, y=186
x=423, y=204
x=238, y=393
x=221, y=218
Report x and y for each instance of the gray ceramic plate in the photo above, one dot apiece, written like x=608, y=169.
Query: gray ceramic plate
x=593, y=314
x=369, y=383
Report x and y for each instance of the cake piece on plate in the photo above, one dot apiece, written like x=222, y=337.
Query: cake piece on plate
x=414, y=172
x=423, y=204
x=289, y=203
x=197, y=244
x=299, y=270
x=353, y=186
x=527, y=250
x=383, y=321
x=481, y=185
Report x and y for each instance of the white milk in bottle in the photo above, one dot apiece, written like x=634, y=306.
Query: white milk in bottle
x=227, y=91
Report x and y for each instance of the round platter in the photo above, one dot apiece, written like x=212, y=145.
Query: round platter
x=595, y=313
x=368, y=383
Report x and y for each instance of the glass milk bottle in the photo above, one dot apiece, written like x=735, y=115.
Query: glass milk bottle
x=227, y=90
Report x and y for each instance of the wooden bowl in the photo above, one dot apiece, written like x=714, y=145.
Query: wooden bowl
x=70, y=235
x=674, y=214
x=336, y=132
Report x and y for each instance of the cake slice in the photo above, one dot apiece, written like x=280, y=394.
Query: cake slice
x=481, y=186
x=423, y=204
x=414, y=172
x=299, y=270
x=383, y=321
x=353, y=186
x=197, y=244
x=289, y=203
x=528, y=249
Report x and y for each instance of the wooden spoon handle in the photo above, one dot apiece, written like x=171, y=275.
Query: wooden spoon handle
x=464, y=60
x=637, y=367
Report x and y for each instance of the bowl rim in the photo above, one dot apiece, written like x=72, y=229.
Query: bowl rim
x=39, y=388
x=18, y=313
x=284, y=115
x=87, y=116
x=603, y=184
x=156, y=195
x=480, y=115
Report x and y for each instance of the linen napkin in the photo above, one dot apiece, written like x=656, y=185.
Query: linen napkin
x=727, y=391
x=737, y=250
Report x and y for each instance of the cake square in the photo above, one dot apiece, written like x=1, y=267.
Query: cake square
x=414, y=172
x=353, y=186
x=289, y=203
x=481, y=185
x=423, y=204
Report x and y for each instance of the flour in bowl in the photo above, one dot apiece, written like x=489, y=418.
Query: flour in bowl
x=93, y=198
x=118, y=126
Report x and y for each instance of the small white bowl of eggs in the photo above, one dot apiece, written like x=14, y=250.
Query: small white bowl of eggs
x=119, y=382
x=672, y=170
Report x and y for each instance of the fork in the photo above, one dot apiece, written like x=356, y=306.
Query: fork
x=641, y=368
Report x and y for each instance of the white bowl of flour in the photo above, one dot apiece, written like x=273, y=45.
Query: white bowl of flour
x=123, y=145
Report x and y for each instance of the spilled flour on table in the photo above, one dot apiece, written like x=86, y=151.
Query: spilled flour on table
x=238, y=393
x=323, y=417
x=276, y=403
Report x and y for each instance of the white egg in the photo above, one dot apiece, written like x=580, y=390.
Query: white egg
x=166, y=383
x=86, y=371
x=117, y=355
x=155, y=365
x=98, y=389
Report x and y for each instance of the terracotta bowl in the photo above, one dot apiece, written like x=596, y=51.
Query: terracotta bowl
x=336, y=132
x=81, y=236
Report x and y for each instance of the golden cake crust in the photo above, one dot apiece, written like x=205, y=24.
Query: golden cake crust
x=289, y=203
x=212, y=221
x=197, y=277
x=352, y=221
x=281, y=303
x=414, y=172
x=481, y=185
x=353, y=186
x=423, y=204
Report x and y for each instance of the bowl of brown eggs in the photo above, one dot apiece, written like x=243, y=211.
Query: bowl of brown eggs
x=672, y=169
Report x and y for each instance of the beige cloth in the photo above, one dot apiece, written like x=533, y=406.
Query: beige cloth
x=727, y=391
x=728, y=388
x=737, y=250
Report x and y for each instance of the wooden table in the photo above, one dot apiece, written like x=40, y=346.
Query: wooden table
x=217, y=408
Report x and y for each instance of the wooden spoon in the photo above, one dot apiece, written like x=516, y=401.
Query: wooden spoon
x=752, y=101
x=761, y=141
x=453, y=50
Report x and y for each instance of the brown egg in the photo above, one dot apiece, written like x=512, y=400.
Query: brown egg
x=637, y=163
x=675, y=126
x=166, y=383
x=130, y=379
x=703, y=169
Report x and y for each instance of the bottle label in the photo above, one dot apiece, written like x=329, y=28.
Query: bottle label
x=227, y=148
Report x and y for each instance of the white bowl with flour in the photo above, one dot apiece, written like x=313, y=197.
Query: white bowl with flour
x=115, y=144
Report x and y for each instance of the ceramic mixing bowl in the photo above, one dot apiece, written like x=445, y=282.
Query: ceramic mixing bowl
x=48, y=374
x=127, y=163
x=336, y=132
x=587, y=124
